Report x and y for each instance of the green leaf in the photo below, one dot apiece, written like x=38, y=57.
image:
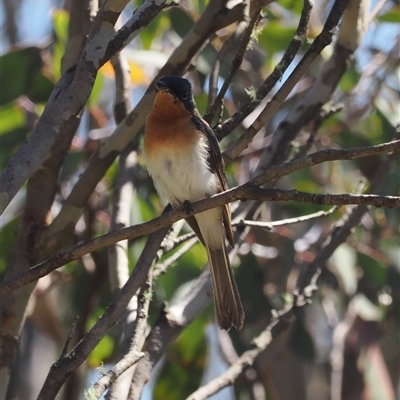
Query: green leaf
x=180, y=21
x=98, y=85
x=25, y=67
x=373, y=270
x=60, y=25
x=22, y=65
x=392, y=16
x=102, y=351
x=301, y=342
x=275, y=37
x=153, y=30
x=11, y=117
x=10, y=142
x=350, y=78
x=40, y=89
x=292, y=5
x=184, y=364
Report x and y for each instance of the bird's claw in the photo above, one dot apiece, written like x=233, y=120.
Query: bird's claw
x=187, y=206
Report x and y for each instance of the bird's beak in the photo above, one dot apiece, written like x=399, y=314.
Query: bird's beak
x=161, y=86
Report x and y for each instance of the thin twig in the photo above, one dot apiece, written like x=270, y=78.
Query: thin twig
x=337, y=353
x=288, y=221
x=170, y=323
x=322, y=117
x=183, y=238
x=279, y=324
x=134, y=354
x=160, y=268
x=287, y=58
x=320, y=199
x=320, y=42
x=237, y=61
x=69, y=337
x=352, y=29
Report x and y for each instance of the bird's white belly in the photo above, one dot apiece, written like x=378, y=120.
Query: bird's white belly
x=181, y=175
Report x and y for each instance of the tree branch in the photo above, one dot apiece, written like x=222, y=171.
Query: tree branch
x=284, y=222
x=118, y=260
x=170, y=323
x=287, y=58
x=319, y=199
x=134, y=354
x=352, y=29
x=81, y=14
x=61, y=370
x=68, y=97
x=215, y=17
x=160, y=268
x=306, y=285
x=319, y=157
x=237, y=61
x=247, y=191
x=320, y=42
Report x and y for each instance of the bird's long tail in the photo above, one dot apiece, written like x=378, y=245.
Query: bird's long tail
x=228, y=306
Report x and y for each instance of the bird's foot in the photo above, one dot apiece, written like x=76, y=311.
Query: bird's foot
x=187, y=206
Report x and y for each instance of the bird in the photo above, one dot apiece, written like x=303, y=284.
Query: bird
x=183, y=157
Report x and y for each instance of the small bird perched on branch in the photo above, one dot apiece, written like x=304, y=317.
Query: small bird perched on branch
x=183, y=157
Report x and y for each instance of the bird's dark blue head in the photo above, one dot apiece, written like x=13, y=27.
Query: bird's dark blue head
x=180, y=88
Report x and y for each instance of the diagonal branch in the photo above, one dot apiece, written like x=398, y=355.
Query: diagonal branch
x=134, y=354
x=118, y=260
x=237, y=61
x=353, y=26
x=243, y=193
x=41, y=190
x=61, y=371
x=68, y=97
x=82, y=14
x=170, y=323
x=215, y=17
x=320, y=42
x=287, y=58
x=306, y=285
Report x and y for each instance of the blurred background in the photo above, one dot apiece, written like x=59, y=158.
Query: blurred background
x=354, y=318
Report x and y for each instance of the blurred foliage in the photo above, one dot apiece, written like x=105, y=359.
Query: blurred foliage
x=183, y=364
x=365, y=271
x=26, y=67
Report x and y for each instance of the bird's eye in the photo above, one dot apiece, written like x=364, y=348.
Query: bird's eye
x=184, y=95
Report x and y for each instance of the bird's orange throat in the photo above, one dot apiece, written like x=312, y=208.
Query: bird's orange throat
x=167, y=108
x=168, y=127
